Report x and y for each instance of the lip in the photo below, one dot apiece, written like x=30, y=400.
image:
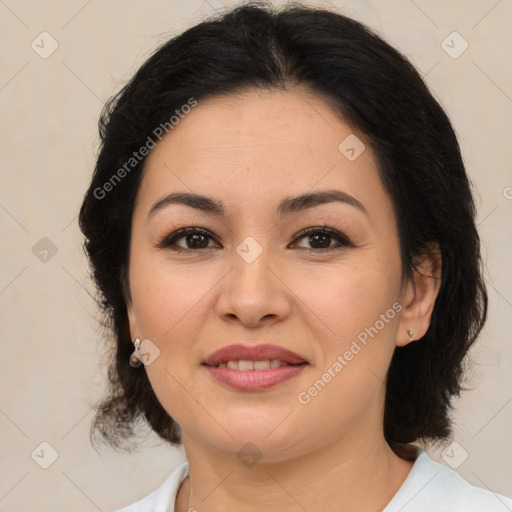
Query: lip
x=254, y=380
x=252, y=353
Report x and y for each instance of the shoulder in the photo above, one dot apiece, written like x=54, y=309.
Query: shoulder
x=437, y=488
x=163, y=498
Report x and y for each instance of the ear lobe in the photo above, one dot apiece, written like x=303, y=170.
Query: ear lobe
x=419, y=296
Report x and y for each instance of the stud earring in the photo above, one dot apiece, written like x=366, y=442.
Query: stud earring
x=410, y=333
x=135, y=361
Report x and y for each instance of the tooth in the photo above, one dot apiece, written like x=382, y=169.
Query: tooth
x=262, y=365
x=245, y=364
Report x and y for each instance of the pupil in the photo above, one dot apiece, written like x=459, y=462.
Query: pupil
x=320, y=236
x=191, y=239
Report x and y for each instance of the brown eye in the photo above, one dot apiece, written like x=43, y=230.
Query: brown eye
x=320, y=239
x=194, y=239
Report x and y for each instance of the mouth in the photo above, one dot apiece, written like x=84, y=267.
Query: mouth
x=254, y=368
x=245, y=365
x=244, y=355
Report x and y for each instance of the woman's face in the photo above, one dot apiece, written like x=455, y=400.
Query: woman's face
x=250, y=276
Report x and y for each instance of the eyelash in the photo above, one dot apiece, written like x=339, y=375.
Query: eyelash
x=168, y=241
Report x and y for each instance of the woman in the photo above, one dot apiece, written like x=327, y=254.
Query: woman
x=283, y=234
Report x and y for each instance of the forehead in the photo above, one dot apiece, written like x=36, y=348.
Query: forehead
x=253, y=148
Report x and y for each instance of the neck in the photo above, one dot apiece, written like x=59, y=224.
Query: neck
x=348, y=475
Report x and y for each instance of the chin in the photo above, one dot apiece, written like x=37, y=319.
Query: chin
x=259, y=426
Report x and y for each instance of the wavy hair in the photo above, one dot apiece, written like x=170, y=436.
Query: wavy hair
x=369, y=84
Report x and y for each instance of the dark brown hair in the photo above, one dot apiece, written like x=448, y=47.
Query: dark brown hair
x=376, y=89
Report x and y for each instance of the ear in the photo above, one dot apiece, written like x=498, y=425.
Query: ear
x=419, y=295
x=132, y=320
x=130, y=312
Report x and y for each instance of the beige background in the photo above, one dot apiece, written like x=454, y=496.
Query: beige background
x=51, y=344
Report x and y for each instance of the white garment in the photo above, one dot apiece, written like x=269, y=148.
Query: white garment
x=429, y=487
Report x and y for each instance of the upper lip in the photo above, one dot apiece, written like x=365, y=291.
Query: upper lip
x=252, y=353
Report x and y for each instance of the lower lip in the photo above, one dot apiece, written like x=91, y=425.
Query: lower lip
x=255, y=380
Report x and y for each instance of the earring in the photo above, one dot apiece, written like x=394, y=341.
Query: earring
x=135, y=361
x=410, y=333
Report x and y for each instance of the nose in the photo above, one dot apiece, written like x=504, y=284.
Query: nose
x=253, y=293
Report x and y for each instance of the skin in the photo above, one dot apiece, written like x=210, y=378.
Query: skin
x=251, y=151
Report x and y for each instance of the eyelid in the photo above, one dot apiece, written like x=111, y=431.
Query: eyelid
x=343, y=239
x=168, y=240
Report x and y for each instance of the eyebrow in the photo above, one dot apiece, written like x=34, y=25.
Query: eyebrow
x=287, y=206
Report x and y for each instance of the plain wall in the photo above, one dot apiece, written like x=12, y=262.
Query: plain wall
x=52, y=351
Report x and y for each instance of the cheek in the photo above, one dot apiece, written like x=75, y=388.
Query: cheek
x=338, y=301
x=349, y=297
x=333, y=305
x=165, y=298
x=358, y=305
x=167, y=307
